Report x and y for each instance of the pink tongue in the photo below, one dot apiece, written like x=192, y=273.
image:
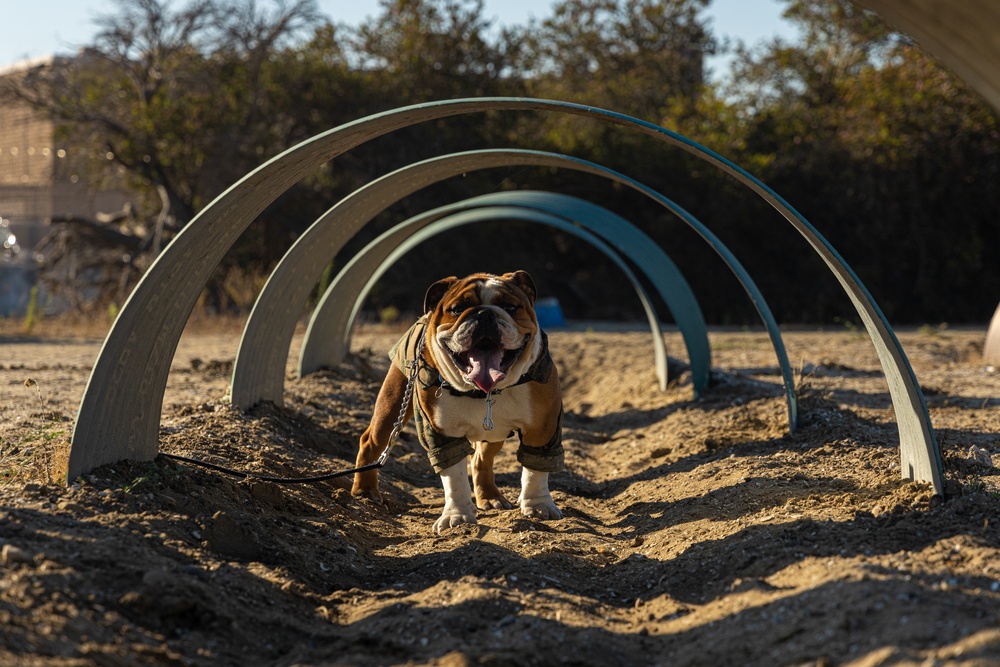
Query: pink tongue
x=485, y=368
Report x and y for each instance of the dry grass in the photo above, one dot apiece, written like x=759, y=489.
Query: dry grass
x=41, y=454
x=72, y=326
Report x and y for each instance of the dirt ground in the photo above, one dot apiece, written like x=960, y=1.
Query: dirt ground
x=695, y=532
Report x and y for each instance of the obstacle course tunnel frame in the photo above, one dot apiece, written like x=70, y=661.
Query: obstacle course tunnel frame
x=259, y=371
x=119, y=414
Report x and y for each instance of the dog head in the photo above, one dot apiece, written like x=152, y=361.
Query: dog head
x=482, y=331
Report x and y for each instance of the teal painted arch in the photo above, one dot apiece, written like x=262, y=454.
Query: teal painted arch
x=332, y=318
x=119, y=415
x=327, y=337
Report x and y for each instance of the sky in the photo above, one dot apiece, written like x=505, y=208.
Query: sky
x=35, y=28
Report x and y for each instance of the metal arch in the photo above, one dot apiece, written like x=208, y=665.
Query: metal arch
x=991, y=349
x=119, y=414
x=327, y=338
x=259, y=371
x=963, y=35
x=361, y=273
x=332, y=319
x=649, y=257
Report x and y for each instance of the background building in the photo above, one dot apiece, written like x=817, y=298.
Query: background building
x=37, y=184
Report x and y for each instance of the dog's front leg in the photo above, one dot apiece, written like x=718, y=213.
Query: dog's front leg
x=458, y=505
x=376, y=436
x=535, y=499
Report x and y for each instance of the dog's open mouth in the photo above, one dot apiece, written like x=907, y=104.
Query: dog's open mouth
x=486, y=363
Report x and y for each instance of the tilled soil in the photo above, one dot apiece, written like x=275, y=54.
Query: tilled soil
x=695, y=532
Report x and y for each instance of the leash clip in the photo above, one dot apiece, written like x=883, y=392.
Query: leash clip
x=488, y=420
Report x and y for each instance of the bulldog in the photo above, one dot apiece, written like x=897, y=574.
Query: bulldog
x=483, y=374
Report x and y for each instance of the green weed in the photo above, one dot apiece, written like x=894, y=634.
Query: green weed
x=932, y=330
x=31, y=316
x=152, y=475
x=389, y=315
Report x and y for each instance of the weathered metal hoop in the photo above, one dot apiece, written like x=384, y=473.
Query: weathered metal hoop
x=336, y=310
x=991, y=349
x=328, y=335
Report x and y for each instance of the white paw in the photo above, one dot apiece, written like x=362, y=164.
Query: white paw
x=535, y=499
x=455, y=515
x=540, y=508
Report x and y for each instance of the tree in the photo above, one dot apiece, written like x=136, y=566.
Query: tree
x=173, y=105
x=635, y=56
x=177, y=99
x=437, y=49
x=883, y=150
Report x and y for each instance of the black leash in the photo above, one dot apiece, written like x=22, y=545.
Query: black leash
x=268, y=478
x=381, y=461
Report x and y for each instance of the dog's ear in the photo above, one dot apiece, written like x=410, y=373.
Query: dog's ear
x=524, y=281
x=437, y=291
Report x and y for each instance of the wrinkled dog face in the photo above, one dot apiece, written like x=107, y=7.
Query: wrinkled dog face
x=482, y=330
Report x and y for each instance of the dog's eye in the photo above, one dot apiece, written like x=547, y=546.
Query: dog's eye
x=457, y=310
x=509, y=307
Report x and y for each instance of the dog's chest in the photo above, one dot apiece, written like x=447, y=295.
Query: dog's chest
x=464, y=416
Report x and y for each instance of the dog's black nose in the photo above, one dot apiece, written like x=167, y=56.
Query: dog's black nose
x=486, y=325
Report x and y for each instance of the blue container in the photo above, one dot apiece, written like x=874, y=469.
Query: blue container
x=549, y=313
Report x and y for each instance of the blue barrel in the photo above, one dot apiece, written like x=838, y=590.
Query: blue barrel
x=549, y=313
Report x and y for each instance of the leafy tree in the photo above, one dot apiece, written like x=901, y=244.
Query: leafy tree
x=417, y=51
x=177, y=99
x=634, y=56
x=437, y=49
x=174, y=105
x=882, y=149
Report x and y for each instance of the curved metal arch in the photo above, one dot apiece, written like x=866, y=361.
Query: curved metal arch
x=327, y=337
x=991, y=350
x=363, y=271
x=259, y=371
x=119, y=414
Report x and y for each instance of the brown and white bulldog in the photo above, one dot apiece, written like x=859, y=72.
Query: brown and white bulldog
x=484, y=374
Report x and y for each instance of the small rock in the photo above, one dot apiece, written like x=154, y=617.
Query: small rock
x=980, y=456
x=457, y=659
x=48, y=566
x=11, y=555
x=750, y=584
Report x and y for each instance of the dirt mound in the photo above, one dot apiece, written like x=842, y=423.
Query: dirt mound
x=694, y=531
